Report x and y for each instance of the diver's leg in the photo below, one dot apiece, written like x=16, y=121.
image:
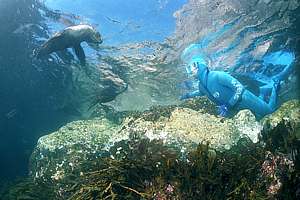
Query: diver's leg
x=273, y=98
x=259, y=107
x=264, y=91
x=286, y=59
x=271, y=89
x=283, y=75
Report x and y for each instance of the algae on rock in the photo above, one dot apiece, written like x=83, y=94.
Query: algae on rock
x=282, y=129
x=150, y=156
x=59, y=153
x=288, y=112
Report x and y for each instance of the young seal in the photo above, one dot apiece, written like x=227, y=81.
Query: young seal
x=71, y=37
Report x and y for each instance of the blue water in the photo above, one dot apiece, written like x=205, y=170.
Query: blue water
x=125, y=21
x=32, y=91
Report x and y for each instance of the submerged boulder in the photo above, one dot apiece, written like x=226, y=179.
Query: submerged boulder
x=195, y=127
x=289, y=112
x=149, y=151
x=183, y=128
x=58, y=153
x=282, y=129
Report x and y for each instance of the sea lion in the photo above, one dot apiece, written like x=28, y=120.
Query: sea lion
x=71, y=37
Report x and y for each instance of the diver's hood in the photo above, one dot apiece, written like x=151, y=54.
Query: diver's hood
x=197, y=62
x=194, y=58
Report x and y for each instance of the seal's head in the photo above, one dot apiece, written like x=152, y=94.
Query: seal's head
x=84, y=32
x=93, y=37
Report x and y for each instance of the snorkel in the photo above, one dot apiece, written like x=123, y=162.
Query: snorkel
x=196, y=65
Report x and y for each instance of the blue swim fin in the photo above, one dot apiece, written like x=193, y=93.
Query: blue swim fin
x=280, y=58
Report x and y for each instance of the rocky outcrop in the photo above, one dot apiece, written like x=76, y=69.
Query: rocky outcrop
x=282, y=129
x=195, y=127
x=57, y=154
x=289, y=112
x=99, y=158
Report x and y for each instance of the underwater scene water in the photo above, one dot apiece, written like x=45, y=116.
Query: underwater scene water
x=149, y=99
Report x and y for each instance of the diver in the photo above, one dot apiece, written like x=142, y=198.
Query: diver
x=228, y=93
x=71, y=37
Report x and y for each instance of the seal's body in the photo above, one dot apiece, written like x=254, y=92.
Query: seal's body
x=71, y=37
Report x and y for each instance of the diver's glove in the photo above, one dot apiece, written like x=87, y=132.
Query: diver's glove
x=222, y=110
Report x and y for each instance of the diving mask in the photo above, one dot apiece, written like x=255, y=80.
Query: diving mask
x=195, y=64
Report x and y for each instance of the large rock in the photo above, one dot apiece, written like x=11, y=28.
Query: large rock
x=288, y=112
x=86, y=159
x=59, y=153
x=282, y=129
x=194, y=127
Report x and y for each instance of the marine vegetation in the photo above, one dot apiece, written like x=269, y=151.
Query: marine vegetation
x=26, y=189
x=143, y=168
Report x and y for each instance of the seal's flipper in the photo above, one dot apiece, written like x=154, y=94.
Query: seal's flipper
x=80, y=53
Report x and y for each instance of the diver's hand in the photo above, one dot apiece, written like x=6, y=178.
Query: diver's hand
x=222, y=110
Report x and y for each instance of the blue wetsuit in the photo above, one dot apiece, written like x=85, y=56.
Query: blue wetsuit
x=227, y=92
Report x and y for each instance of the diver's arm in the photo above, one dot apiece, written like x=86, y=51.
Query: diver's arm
x=230, y=82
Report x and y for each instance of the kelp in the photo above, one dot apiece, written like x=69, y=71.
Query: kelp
x=147, y=170
x=144, y=169
x=140, y=168
x=281, y=140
